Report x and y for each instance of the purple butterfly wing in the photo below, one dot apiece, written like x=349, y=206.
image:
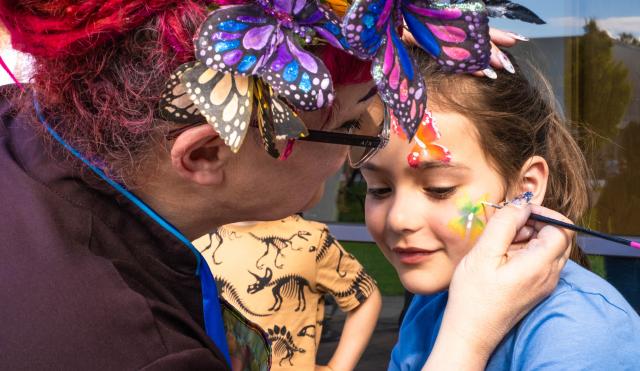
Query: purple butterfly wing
x=399, y=83
x=237, y=39
x=365, y=24
x=291, y=7
x=298, y=76
x=457, y=35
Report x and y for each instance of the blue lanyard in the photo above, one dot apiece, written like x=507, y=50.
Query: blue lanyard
x=214, y=326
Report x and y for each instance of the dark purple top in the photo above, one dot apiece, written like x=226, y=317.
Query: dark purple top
x=87, y=280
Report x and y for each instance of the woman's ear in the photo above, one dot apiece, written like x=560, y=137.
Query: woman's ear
x=533, y=178
x=199, y=155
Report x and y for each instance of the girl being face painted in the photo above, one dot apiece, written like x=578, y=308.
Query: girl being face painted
x=425, y=214
x=485, y=141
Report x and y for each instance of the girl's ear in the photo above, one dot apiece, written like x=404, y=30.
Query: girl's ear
x=533, y=178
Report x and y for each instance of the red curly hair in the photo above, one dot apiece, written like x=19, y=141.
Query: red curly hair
x=100, y=66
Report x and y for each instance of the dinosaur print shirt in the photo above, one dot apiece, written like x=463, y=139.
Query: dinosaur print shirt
x=277, y=273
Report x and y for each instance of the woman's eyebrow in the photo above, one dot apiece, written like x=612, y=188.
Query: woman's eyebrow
x=370, y=94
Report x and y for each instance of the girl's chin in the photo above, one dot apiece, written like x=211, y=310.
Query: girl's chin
x=424, y=284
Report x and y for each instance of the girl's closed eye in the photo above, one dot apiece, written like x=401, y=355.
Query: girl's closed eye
x=441, y=193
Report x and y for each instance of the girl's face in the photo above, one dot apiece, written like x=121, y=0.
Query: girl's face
x=425, y=219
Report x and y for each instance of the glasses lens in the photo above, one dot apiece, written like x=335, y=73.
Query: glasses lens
x=375, y=122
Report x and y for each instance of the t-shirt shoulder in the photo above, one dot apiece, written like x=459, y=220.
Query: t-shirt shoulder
x=585, y=324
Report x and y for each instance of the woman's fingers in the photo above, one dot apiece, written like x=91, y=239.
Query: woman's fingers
x=546, y=253
x=524, y=234
x=498, y=59
x=499, y=234
x=408, y=38
x=504, y=38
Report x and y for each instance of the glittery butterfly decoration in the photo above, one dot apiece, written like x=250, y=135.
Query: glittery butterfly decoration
x=470, y=223
x=457, y=35
x=424, y=147
x=261, y=39
x=195, y=93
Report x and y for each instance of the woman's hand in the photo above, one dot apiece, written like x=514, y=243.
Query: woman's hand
x=498, y=59
x=514, y=265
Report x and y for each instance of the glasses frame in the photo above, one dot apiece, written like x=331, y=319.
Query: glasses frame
x=329, y=137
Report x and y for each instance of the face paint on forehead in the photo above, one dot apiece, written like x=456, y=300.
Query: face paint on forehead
x=424, y=148
x=471, y=218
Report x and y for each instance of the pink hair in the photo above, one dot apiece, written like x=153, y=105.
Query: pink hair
x=100, y=66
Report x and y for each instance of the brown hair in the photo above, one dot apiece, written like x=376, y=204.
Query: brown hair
x=517, y=119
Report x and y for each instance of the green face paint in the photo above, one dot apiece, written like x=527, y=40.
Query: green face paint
x=469, y=223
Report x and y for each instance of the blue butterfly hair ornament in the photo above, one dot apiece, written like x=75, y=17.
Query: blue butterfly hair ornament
x=251, y=64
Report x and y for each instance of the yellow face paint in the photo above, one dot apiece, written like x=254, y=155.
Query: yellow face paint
x=471, y=220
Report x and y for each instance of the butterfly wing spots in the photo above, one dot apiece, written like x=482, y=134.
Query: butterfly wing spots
x=175, y=104
x=236, y=39
x=224, y=99
x=457, y=35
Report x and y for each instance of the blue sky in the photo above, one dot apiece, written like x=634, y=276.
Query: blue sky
x=566, y=17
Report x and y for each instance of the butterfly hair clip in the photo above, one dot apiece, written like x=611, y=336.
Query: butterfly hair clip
x=455, y=33
x=261, y=39
x=230, y=103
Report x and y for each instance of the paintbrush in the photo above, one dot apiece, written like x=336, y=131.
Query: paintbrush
x=527, y=197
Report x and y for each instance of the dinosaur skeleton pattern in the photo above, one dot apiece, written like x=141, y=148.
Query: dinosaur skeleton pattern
x=220, y=235
x=361, y=288
x=282, y=344
x=289, y=285
x=308, y=330
x=279, y=244
x=329, y=241
x=227, y=291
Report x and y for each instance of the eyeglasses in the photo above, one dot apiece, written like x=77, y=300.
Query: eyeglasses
x=364, y=140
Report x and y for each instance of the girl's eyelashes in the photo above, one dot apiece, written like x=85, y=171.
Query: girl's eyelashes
x=378, y=192
x=441, y=193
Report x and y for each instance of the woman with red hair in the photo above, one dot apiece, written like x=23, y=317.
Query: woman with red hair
x=102, y=191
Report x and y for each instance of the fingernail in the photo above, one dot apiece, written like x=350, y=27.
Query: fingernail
x=490, y=73
x=506, y=63
x=517, y=36
x=491, y=204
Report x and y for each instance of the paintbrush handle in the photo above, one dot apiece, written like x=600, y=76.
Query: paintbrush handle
x=577, y=228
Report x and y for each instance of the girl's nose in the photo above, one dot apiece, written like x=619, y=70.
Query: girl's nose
x=405, y=215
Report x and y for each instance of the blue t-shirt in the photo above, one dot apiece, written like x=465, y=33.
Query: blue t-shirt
x=585, y=324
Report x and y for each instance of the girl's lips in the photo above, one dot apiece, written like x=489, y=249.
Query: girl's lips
x=412, y=255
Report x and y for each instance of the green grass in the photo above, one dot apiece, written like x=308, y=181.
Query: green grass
x=377, y=266
x=597, y=265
